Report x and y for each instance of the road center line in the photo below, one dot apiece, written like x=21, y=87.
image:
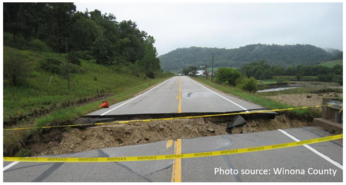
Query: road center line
x=179, y=105
x=313, y=150
x=132, y=99
x=10, y=165
x=220, y=96
x=176, y=169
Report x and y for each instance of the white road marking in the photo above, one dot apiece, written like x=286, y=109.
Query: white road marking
x=313, y=150
x=10, y=165
x=133, y=98
x=221, y=96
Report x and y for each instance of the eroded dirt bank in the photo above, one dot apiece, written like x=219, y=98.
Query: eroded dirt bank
x=56, y=141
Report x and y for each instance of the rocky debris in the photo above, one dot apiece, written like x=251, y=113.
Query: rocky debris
x=211, y=130
x=161, y=127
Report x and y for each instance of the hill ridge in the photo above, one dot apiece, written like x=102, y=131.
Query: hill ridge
x=274, y=54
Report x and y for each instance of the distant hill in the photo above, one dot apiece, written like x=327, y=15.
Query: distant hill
x=332, y=63
x=285, y=55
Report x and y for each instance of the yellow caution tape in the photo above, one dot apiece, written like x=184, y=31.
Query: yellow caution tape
x=172, y=156
x=159, y=119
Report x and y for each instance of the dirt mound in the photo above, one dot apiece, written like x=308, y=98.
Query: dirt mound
x=57, y=141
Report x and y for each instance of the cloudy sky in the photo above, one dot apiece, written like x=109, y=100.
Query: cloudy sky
x=231, y=25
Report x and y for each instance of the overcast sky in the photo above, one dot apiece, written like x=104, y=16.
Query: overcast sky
x=231, y=25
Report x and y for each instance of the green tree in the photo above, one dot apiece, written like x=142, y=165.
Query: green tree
x=63, y=13
x=267, y=74
x=192, y=70
x=185, y=71
x=229, y=75
x=337, y=69
x=249, y=84
x=84, y=33
x=298, y=77
x=16, y=67
x=150, y=63
x=101, y=50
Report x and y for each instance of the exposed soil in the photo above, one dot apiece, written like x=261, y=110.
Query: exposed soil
x=57, y=141
x=300, y=100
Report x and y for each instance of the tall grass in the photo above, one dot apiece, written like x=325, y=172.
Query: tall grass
x=43, y=89
x=255, y=98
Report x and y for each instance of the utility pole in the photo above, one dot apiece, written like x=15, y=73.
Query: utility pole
x=212, y=68
x=68, y=69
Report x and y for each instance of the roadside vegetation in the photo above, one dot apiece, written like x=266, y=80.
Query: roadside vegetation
x=261, y=100
x=41, y=96
x=245, y=82
x=50, y=45
x=263, y=71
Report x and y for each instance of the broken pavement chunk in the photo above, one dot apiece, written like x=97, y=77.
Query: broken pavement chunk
x=237, y=121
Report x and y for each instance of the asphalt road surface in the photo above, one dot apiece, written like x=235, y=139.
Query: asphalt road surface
x=179, y=94
x=325, y=157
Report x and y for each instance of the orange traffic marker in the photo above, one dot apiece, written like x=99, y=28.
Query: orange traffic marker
x=104, y=105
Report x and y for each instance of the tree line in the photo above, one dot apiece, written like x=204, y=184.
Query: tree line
x=93, y=33
x=261, y=70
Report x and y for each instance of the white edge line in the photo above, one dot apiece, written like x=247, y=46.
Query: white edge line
x=132, y=99
x=313, y=150
x=10, y=165
x=221, y=96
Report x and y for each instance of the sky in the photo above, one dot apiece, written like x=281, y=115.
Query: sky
x=230, y=25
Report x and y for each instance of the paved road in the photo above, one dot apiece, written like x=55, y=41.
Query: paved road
x=179, y=94
x=320, y=157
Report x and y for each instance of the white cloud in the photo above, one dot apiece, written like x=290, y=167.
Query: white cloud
x=231, y=25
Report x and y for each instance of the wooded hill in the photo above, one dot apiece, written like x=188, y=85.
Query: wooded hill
x=93, y=34
x=286, y=55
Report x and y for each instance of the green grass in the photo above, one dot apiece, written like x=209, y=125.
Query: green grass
x=255, y=98
x=332, y=63
x=37, y=92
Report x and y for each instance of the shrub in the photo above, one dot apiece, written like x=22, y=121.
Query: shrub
x=150, y=74
x=325, y=77
x=19, y=42
x=224, y=74
x=225, y=83
x=51, y=65
x=298, y=77
x=16, y=67
x=72, y=69
x=74, y=58
x=249, y=84
x=38, y=45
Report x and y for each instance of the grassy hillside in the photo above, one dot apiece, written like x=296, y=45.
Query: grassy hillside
x=332, y=63
x=44, y=89
x=37, y=91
